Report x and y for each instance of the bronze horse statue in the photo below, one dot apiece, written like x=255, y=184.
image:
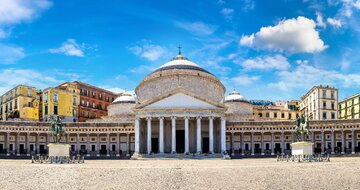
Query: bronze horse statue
x=57, y=131
x=302, y=127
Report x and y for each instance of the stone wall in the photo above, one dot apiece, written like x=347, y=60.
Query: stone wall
x=197, y=82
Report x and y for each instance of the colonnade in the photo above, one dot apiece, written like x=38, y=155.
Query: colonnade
x=173, y=134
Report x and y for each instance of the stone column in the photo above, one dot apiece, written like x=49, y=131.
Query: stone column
x=137, y=135
x=78, y=144
x=242, y=144
x=118, y=145
x=173, y=135
x=28, y=144
x=149, y=135
x=108, y=144
x=161, y=135
x=322, y=141
x=98, y=145
x=232, y=143
x=332, y=141
x=262, y=143
x=17, y=146
x=282, y=143
x=223, y=135
x=38, y=144
x=88, y=144
x=252, y=143
x=292, y=137
x=272, y=143
x=211, y=135
x=198, y=135
x=127, y=143
x=187, y=149
x=342, y=142
x=353, y=141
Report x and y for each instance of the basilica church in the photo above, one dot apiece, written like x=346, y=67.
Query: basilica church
x=180, y=110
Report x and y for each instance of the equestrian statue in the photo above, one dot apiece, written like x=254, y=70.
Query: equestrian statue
x=57, y=131
x=302, y=127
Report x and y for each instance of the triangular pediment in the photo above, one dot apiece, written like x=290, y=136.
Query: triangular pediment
x=180, y=100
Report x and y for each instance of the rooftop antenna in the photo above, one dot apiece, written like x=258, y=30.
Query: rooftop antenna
x=179, y=49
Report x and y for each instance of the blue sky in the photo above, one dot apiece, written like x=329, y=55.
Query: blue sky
x=275, y=50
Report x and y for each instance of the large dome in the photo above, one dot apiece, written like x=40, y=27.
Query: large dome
x=124, y=98
x=180, y=62
x=235, y=96
x=180, y=74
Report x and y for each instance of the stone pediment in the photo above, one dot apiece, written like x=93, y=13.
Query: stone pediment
x=179, y=99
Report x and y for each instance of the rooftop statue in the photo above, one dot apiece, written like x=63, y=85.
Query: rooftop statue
x=302, y=128
x=57, y=131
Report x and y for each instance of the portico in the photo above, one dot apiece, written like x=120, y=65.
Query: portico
x=179, y=134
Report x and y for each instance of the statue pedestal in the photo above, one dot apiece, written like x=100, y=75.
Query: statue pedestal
x=302, y=148
x=60, y=149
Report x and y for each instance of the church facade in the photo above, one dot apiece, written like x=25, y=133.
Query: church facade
x=180, y=109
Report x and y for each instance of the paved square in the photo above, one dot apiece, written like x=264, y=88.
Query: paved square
x=340, y=173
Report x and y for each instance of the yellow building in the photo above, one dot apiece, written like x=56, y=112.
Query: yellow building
x=61, y=101
x=20, y=103
x=349, y=107
x=268, y=110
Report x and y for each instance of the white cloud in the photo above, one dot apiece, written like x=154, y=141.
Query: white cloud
x=70, y=48
x=197, y=28
x=243, y=80
x=248, y=5
x=17, y=11
x=228, y=13
x=306, y=76
x=292, y=35
x=10, y=54
x=148, y=50
x=300, y=62
x=143, y=69
x=277, y=62
x=25, y=77
x=319, y=20
x=334, y=22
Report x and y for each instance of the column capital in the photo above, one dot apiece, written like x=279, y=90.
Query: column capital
x=223, y=118
x=173, y=117
x=211, y=117
x=149, y=118
x=198, y=117
x=187, y=117
x=161, y=118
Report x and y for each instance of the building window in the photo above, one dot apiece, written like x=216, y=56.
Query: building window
x=82, y=102
x=74, y=113
x=11, y=95
x=83, y=113
x=56, y=98
x=267, y=114
x=260, y=114
x=332, y=115
x=93, y=94
x=93, y=147
x=29, y=92
x=332, y=95
x=10, y=106
x=93, y=104
x=100, y=105
x=87, y=103
x=324, y=93
x=16, y=104
x=94, y=115
x=113, y=147
x=289, y=115
x=282, y=115
x=55, y=110
x=74, y=101
x=46, y=97
x=46, y=110
x=332, y=105
x=107, y=98
x=275, y=114
x=324, y=115
x=100, y=96
x=324, y=105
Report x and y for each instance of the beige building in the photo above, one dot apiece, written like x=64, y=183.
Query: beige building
x=276, y=111
x=180, y=110
x=320, y=103
x=20, y=103
x=349, y=108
